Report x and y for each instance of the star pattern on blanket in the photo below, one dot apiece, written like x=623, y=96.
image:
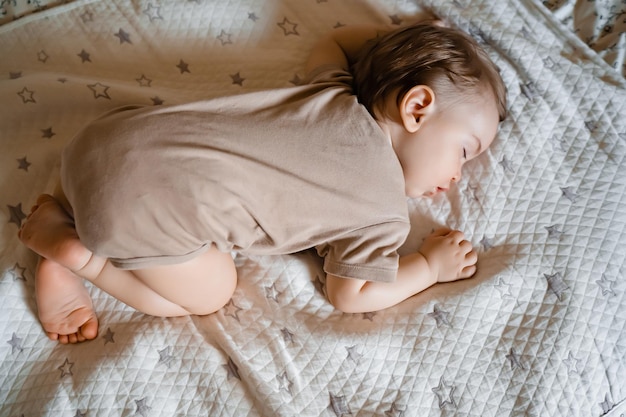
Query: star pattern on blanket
x=47, y=133
x=554, y=233
x=607, y=405
x=569, y=193
x=515, y=360
x=237, y=79
x=606, y=285
x=183, y=67
x=84, y=56
x=144, y=81
x=529, y=90
x=142, y=407
x=123, y=36
x=153, y=12
x=339, y=405
x=232, y=370
x=445, y=393
x=109, y=336
x=506, y=164
x=284, y=383
x=395, y=411
x=80, y=414
x=16, y=214
x=165, y=357
x=471, y=191
x=503, y=288
x=441, y=316
x=369, y=315
x=288, y=336
x=42, y=56
x=16, y=343
x=27, y=96
x=272, y=293
x=225, y=38
x=289, y=28
x=66, y=368
x=572, y=363
x=353, y=354
x=486, y=243
x=558, y=143
x=17, y=272
x=557, y=285
x=231, y=309
x=99, y=90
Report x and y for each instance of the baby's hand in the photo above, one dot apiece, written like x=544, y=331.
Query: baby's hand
x=450, y=257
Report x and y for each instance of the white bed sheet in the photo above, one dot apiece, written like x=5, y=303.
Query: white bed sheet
x=539, y=331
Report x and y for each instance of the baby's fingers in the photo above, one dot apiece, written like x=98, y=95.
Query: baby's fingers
x=468, y=271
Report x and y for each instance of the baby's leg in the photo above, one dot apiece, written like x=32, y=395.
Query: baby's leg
x=63, y=303
x=200, y=286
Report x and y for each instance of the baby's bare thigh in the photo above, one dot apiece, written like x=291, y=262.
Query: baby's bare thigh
x=201, y=285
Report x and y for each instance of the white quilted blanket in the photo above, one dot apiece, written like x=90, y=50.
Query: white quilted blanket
x=540, y=331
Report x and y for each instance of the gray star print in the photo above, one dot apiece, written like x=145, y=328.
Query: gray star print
x=272, y=293
x=99, y=90
x=224, y=38
x=165, y=357
x=123, y=36
x=142, y=407
x=18, y=272
x=557, y=285
x=231, y=369
x=16, y=343
x=153, y=12
x=515, y=359
x=16, y=214
x=108, y=336
x=606, y=285
x=284, y=383
x=440, y=316
x=47, y=133
x=288, y=27
x=27, y=96
x=353, y=354
x=569, y=193
x=444, y=393
x=66, y=368
x=554, y=232
x=339, y=405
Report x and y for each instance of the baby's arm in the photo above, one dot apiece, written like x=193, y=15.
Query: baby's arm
x=445, y=256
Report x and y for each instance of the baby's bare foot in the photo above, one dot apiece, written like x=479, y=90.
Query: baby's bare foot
x=49, y=231
x=64, y=305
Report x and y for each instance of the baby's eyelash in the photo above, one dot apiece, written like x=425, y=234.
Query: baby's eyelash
x=464, y=154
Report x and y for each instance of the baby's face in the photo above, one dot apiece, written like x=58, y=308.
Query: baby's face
x=432, y=158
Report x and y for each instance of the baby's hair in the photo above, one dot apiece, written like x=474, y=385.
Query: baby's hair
x=445, y=59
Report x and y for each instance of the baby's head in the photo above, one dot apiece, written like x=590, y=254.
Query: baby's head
x=437, y=94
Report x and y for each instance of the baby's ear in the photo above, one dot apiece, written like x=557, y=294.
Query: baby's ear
x=416, y=104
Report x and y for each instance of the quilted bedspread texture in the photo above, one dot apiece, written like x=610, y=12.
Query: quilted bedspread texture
x=539, y=331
